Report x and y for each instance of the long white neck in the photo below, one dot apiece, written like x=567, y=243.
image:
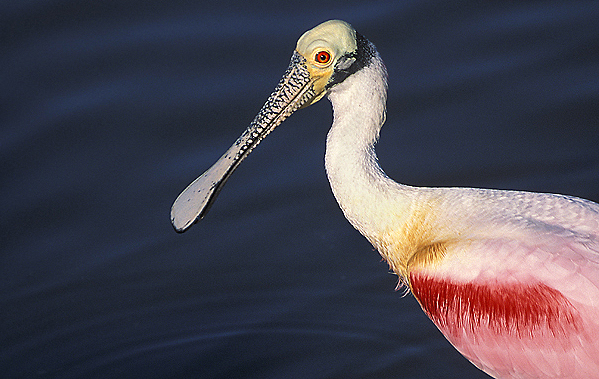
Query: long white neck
x=370, y=200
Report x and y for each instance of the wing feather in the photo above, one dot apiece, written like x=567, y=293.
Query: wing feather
x=519, y=296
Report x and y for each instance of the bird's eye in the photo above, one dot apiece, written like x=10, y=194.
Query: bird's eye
x=323, y=57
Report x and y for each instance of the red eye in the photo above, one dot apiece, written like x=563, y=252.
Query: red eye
x=323, y=57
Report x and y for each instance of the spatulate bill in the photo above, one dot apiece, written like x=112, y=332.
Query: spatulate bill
x=293, y=91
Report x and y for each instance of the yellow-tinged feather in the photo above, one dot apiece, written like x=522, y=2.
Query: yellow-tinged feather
x=417, y=242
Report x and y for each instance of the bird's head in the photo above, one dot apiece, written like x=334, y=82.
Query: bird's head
x=326, y=51
x=324, y=57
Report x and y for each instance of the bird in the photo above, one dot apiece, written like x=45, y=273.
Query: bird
x=510, y=278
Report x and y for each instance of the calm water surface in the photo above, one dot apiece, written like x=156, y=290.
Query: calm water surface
x=109, y=109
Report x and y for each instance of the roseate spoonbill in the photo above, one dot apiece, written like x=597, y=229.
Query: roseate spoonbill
x=510, y=278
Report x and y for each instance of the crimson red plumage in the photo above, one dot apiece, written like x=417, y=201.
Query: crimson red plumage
x=515, y=308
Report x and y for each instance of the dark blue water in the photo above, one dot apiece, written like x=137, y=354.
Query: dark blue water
x=109, y=109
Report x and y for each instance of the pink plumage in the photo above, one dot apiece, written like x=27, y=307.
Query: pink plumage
x=528, y=305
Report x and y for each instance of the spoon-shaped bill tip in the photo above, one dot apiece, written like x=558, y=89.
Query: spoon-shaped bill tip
x=193, y=203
